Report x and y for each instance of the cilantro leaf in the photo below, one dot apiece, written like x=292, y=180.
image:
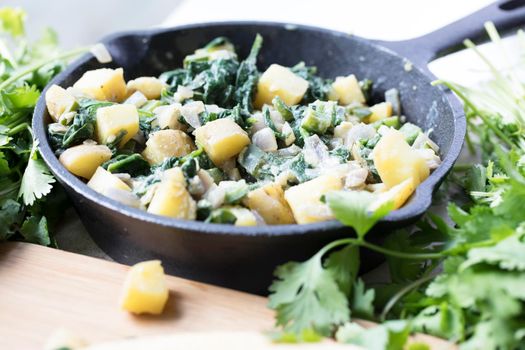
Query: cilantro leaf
x=391, y=335
x=34, y=230
x=362, y=300
x=445, y=321
x=306, y=296
x=10, y=215
x=352, y=209
x=508, y=254
x=344, y=266
x=37, y=180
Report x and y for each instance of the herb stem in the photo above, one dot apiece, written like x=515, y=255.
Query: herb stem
x=401, y=255
x=36, y=66
x=402, y=292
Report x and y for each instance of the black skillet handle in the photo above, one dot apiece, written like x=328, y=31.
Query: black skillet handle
x=506, y=15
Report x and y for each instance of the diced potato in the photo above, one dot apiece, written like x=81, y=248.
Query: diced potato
x=305, y=199
x=145, y=289
x=346, y=90
x=396, y=161
x=222, y=139
x=151, y=87
x=103, y=180
x=398, y=195
x=244, y=216
x=168, y=117
x=113, y=120
x=111, y=186
x=269, y=202
x=380, y=111
x=103, y=84
x=83, y=160
x=171, y=197
x=280, y=81
x=167, y=143
x=59, y=101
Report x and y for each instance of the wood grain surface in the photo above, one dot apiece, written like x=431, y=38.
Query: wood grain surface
x=43, y=289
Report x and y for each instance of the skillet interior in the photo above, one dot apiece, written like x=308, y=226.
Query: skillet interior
x=224, y=254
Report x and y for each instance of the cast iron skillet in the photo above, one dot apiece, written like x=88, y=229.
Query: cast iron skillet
x=244, y=257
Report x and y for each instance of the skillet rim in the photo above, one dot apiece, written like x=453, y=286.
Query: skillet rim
x=418, y=205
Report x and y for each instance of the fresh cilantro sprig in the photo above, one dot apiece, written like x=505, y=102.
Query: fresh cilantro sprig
x=463, y=282
x=25, y=69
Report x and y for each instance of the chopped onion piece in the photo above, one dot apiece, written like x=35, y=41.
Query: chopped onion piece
x=137, y=98
x=265, y=140
x=101, y=53
x=190, y=112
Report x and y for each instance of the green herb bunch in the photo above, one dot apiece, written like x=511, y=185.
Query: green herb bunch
x=464, y=281
x=25, y=69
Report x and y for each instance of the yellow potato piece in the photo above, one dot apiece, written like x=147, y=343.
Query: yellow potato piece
x=380, y=111
x=58, y=101
x=83, y=160
x=280, y=81
x=269, y=202
x=222, y=139
x=305, y=199
x=102, y=181
x=244, y=216
x=398, y=195
x=145, y=289
x=113, y=120
x=149, y=86
x=346, y=90
x=171, y=197
x=163, y=144
x=396, y=161
x=103, y=84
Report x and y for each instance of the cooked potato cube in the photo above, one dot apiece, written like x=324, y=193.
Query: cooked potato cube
x=103, y=84
x=167, y=143
x=396, y=161
x=59, y=101
x=398, y=195
x=168, y=117
x=151, y=87
x=346, y=90
x=83, y=160
x=145, y=289
x=244, y=217
x=305, y=199
x=222, y=139
x=380, y=111
x=113, y=120
x=103, y=180
x=280, y=81
x=171, y=197
x=269, y=202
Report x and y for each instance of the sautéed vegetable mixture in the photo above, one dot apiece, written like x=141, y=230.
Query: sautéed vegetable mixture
x=220, y=142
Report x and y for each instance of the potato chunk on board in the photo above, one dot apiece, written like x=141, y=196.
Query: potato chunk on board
x=145, y=289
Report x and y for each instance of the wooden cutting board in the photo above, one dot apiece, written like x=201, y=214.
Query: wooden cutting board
x=43, y=289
